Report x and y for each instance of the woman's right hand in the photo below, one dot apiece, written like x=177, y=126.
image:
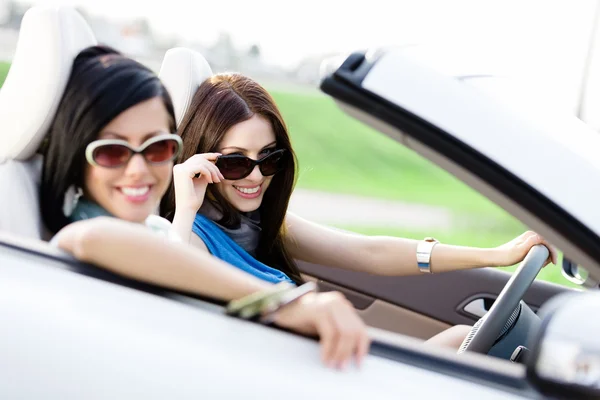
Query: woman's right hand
x=332, y=317
x=189, y=190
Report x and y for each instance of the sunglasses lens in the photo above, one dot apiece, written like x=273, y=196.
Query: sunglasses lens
x=111, y=155
x=234, y=167
x=161, y=151
x=272, y=163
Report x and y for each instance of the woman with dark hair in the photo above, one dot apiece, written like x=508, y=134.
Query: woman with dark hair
x=234, y=187
x=109, y=153
x=232, y=114
x=112, y=109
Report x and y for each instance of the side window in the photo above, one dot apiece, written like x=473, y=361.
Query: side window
x=355, y=178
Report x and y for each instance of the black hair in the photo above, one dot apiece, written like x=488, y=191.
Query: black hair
x=103, y=84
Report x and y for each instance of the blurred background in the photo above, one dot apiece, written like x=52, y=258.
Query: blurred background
x=350, y=176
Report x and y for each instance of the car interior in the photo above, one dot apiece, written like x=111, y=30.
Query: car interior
x=416, y=306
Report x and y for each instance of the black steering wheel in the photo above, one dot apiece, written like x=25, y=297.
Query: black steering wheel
x=484, y=333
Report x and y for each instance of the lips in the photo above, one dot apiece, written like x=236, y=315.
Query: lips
x=249, y=192
x=135, y=194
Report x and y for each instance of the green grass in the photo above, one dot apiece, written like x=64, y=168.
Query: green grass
x=489, y=238
x=4, y=67
x=337, y=153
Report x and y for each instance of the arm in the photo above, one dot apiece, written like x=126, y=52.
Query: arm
x=183, y=222
x=134, y=251
x=110, y=243
x=383, y=255
x=191, y=180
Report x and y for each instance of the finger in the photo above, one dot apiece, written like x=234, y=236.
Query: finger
x=349, y=326
x=533, y=239
x=344, y=347
x=537, y=239
x=220, y=174
x=216, y=171
x=211, y=156
x=216, y=174
x=200, y=171
x=364, y=342
x=190, y=170
x=327, y=335
x=196, y=158
x=199, y=159
x=553, y=256
x=527, y=236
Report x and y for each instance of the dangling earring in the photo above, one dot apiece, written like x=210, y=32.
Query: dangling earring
x=72, y=196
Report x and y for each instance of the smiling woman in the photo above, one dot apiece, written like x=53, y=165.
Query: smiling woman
x=222, y=203
x=131, y=105
x=236, y=126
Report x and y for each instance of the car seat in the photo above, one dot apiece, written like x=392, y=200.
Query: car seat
x=49, y=40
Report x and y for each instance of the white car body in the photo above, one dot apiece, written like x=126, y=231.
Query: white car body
x=72, y=331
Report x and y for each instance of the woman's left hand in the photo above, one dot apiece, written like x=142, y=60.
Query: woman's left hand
x=515, y=251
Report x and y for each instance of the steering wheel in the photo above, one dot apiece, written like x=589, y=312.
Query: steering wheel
x=505, y=309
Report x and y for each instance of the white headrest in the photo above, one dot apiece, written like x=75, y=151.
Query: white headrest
x=49, y=40
x=182, y=71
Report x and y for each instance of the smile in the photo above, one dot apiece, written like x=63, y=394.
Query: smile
x=248, y=192
x=136, y=194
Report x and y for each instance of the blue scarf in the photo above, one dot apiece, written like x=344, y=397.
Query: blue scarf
x=220, y=245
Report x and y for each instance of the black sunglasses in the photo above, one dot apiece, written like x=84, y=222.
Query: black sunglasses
x=237, y=166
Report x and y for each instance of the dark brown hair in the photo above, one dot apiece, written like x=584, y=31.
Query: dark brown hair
x=221, y=102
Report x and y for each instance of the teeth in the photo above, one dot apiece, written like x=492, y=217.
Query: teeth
x=248, y=190
x=135, y=192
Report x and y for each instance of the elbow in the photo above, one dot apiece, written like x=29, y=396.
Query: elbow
x=81, y=238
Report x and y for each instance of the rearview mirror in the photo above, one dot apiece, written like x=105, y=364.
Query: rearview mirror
x=577, y=274
x=565, y=357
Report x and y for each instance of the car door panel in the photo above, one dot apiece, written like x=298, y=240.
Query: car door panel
x=438, y=299
x=385, y=315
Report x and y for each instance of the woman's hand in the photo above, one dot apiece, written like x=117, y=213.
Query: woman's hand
x=189, y=190
x=342, y=332
x=515, y=251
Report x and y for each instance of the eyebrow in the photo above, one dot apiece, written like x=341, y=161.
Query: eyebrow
x=146, y=137
x=243, y=149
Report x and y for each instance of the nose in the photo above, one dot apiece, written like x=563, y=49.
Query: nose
x=137, y=166
x=255, y=175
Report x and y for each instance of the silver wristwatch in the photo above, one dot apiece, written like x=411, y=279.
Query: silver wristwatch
x=424, y=249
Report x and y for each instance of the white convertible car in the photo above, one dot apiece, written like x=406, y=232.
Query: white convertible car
x=70, y=330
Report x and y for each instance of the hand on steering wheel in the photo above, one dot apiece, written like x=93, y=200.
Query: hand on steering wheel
x=485, y=331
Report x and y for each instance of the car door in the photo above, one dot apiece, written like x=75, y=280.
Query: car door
x=422, y=306
x=67, y=323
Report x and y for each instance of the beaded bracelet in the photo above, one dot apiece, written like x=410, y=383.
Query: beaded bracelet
x=264, y=304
